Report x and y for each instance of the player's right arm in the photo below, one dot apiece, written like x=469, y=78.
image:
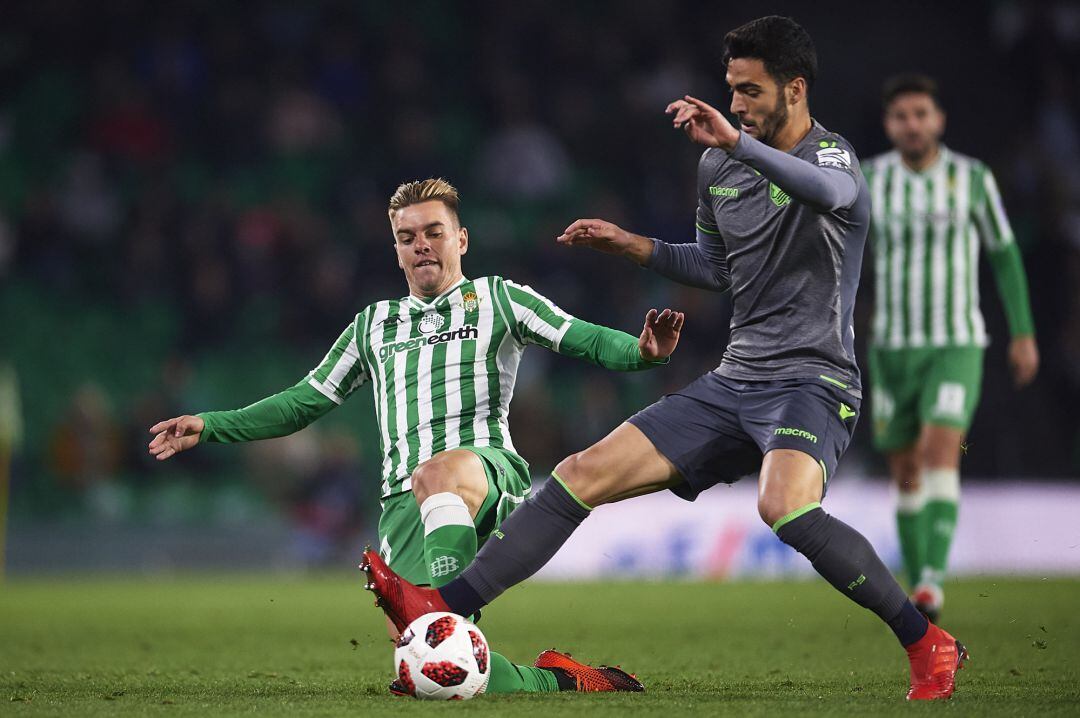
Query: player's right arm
x=701, y=264
x=1008, y=270
x=826, y=186
x=340, y=373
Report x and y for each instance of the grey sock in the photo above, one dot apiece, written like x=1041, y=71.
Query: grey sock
x=845, y=559
x=525, y=541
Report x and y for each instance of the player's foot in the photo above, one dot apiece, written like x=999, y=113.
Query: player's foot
x=929, y=598
x=401, y=601
x=935, y=659
x=586, y=678
x=398, y=689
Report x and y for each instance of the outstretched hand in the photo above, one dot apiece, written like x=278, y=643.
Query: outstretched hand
x=175, y=435
x=595, y=234
x=606, y=237
x=661, y=334
x=703, y=123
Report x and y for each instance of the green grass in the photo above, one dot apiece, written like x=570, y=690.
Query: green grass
x=284, y=646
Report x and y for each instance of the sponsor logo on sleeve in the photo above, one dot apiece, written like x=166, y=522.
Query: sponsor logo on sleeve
x=834, y=157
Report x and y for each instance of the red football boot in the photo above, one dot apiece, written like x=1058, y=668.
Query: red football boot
x=587, y=679
x=401, y=601
x=935, y=659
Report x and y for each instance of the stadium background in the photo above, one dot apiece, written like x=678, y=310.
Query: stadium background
x=192, y=206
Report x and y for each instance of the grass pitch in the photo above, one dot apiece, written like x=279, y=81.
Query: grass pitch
x=315, y=646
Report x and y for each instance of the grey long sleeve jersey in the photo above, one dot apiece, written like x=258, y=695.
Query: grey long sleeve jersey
x=785, y=232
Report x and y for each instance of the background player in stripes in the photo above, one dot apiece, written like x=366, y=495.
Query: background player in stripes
x=932, y=207
x=442, y=363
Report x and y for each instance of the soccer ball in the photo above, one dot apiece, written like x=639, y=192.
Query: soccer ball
x=442, y=657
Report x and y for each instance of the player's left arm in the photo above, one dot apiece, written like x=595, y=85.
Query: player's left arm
x=1008, y=269
x=828, y=185
x=537, y=320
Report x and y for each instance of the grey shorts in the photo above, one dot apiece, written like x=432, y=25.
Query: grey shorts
x=716, y=429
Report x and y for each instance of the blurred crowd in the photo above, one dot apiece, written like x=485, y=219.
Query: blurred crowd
x=197, y=189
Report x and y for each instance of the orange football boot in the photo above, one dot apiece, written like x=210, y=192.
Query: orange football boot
x=586, y=678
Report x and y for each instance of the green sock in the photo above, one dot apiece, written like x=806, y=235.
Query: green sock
x=447, y=551
x=507, y=677
x=449, y=537
x=910, y=525
x=942, y=503
x=940, y=526
x=450, y=546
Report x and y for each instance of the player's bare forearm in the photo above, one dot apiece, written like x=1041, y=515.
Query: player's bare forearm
x=639, y=249
x=604, y=236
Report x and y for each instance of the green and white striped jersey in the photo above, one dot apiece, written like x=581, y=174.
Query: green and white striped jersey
x=443, y=370
x=926, y=228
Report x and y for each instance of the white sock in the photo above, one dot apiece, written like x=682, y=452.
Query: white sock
x=444, y=509
x=911, y=502
x=941, y=484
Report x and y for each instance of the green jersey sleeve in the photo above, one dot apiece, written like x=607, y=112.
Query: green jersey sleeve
x=605, y=347
x=535, y=319
x=282, y=414
x=1004, y=255
x=344, y=369
x=341, y=372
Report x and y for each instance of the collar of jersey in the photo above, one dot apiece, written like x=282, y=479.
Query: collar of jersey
x=815, y=133
x=942, y=158
x=418, y=303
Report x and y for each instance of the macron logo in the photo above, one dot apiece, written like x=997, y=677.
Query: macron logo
x=716, y=191
x=801, y=433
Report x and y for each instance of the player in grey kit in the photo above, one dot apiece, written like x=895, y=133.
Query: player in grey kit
x=782, y=220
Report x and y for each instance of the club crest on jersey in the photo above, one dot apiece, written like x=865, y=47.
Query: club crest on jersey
x=778, y=196
x=470, y=301
x=431, y=323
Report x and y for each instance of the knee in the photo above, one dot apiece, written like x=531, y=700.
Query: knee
x=906, y=473
x=772, y=508
x=939, y=455
x=585, y=476
x=430, y=478
x=775, y=505
x=909, y=482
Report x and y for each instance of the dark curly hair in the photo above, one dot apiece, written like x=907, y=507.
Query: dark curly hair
x=780, y=43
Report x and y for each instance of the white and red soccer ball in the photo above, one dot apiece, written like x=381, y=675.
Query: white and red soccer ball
x=442, y=656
